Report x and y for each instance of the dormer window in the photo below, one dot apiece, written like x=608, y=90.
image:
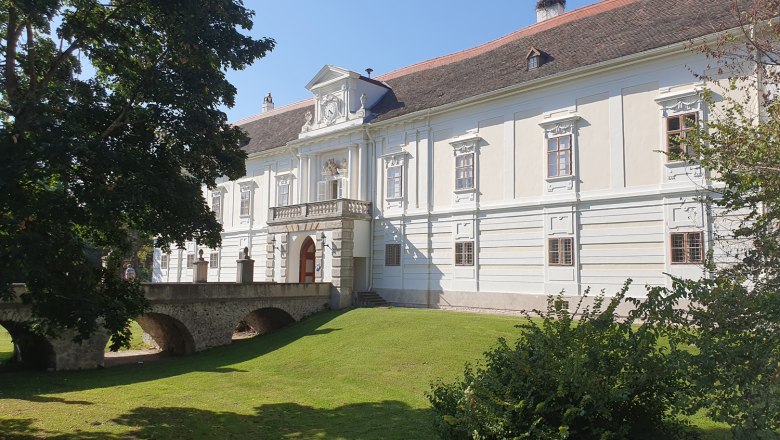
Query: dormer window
x=535, y=58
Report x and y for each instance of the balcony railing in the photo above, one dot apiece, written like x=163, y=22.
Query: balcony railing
x=328, y=209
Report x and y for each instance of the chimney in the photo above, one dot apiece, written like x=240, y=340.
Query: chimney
x=268, y=103
x=547, y=9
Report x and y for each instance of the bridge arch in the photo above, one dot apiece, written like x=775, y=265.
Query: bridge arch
x=268, y=319
x=31, y=350
x=168, y=333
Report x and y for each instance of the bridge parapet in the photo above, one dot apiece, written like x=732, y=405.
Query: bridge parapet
x=184, y=318
x=191, y=292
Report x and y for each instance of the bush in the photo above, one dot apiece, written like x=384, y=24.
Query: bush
x=735, y=327
x=593, y=377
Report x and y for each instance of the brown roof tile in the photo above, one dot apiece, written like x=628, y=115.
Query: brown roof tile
x=604, y=31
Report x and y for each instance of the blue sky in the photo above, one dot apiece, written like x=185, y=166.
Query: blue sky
x=356, y=34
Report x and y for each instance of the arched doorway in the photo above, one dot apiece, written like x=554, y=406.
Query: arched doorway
x=308, y=257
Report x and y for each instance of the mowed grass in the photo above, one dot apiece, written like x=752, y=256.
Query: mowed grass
x=136, y=341
x=6, y=347
x=359, y=374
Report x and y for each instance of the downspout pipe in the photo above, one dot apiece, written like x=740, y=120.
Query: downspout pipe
x=371, y=196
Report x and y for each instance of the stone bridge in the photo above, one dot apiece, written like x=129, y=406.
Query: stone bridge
x=183, y=319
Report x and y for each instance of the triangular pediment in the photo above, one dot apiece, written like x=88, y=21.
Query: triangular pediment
x=329, y=75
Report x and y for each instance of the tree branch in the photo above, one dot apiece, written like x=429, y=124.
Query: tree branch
x=12, y=37
x=76, y=44
x=31, y=60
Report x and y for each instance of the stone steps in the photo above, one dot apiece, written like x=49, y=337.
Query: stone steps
x=370, y=299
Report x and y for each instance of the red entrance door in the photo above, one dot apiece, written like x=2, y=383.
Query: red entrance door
x=307, y=261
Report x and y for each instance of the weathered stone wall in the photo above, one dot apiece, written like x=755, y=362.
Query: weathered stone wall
x=186, y=317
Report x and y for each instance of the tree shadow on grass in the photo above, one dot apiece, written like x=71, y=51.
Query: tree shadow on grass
x=30, y=385
x=375, y=420
x=715, y=434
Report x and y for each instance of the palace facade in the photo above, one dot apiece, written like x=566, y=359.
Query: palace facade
x=488, y=178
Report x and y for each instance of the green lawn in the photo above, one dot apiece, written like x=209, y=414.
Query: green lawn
x=137, y=341
x=360, y=374
x=6, y=347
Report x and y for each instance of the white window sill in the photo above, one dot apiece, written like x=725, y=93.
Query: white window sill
x=464, y=190
x=560, y=178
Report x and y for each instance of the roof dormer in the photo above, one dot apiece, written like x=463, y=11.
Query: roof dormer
x=535, y=58
x=341, y=97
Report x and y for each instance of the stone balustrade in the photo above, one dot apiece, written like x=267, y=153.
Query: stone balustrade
x=328, y=209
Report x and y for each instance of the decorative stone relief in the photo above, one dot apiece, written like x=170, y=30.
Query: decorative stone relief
x=331, y=109
x=560, y=224
x=683, y=172
x=561, y=184
x=686, y=215
x=466, y=144
x=465, y=196
x=681, y=103
x=464, y=230
x=334, y=167
x=559, y=127
x=308, y=125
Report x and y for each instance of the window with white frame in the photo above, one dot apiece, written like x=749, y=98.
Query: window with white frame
x=466, y=149
x=216, y=204
x=214, y=260
x=245, y=201
x=682, y=113
x=190, y=260
x=283, y=191
x=164, y=261
x=687, y=247
x=559, y=156
x=464, y=171
x=392, y=254
x=677, y=129
x=394, y=181
x=560, y=142
x=464, y=253
x=560, y=251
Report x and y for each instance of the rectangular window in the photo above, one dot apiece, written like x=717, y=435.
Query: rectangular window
x=561, y=251
x=164, y=261
x=283, y=193
x=216, y=205
x=394, y=188
x=246, y=198
x=559, y=156
x=677, y=129
x=464, y=171
x=393, y=254
x=687, y=247
x=464, y=253
x=190, y=260
x=214, y=260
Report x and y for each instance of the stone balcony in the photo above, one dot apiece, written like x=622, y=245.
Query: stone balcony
x=338, y=209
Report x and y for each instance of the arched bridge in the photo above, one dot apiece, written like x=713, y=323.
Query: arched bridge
x=183, y=319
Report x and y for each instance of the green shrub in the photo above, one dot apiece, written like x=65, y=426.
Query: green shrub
x=581, y=375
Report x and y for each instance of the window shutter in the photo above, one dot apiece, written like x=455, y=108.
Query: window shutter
x=341, y=188
x=322, y=188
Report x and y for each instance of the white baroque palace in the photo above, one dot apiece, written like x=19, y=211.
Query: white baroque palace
x=487, y=178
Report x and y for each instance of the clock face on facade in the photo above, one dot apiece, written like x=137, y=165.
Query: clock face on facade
x=330, y=110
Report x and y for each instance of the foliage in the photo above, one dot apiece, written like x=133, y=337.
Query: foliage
x=109, y=125
x=734, y=368
x=583, y=375
x=736, y=312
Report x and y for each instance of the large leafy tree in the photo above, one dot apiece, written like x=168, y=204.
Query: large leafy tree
x=110, y=123
x=735, y=314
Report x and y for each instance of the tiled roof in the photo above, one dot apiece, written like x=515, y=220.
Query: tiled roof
x=601, y=32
